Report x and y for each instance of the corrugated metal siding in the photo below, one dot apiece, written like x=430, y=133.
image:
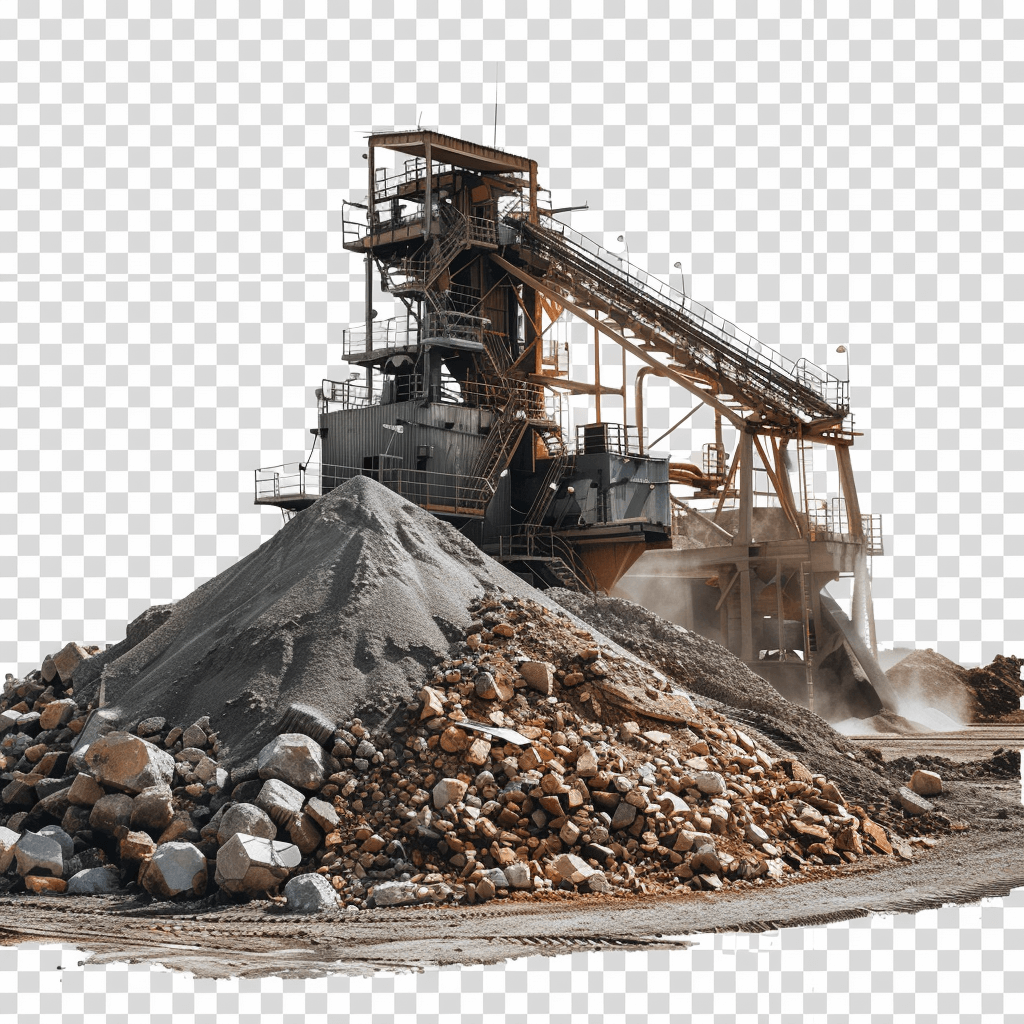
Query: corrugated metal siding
x=355, y=434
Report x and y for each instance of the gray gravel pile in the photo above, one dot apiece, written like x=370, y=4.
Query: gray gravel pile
x=344, y=610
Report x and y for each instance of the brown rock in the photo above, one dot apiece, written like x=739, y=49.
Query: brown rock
x=848, y=840
x=179, y=825
x=35, y=753
x=922, y=782
x=152, y=809
x=453, y=739
x=57, y=713
x=433, y=703
x=479, y=752
x=110, y=812
x=587, y=764
x=137, y=846
x=504, y=629
x=876, y=834
x=304, y=834
x=42, y=883
x=129, y=763
x=322, y=813
x=85, y=791
x=539, y=676
x=66, y=660
x=796, y=771
x=808, y=831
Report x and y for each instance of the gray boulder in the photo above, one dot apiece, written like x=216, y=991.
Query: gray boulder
x=396, y=894
x=8, y=841
x=310, y=894
x=912, y=803
x=94, y=881
x=247, y=819
x=297, y=760
x=281, y=801
x=37, y=855
x=710, y=783
x=67, y=844
x=518, y=875
x=252, y=865
x=174, y=868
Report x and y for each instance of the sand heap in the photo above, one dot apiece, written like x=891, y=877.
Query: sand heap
x=447, y=732
x=986, y=694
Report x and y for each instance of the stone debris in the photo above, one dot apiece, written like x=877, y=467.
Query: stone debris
x=534, y=759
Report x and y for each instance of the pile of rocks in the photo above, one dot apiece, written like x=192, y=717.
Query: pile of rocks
x=522, y=769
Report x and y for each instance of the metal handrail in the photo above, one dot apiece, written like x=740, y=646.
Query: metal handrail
x=284, y=480
x=772, y=369
x=395, y=332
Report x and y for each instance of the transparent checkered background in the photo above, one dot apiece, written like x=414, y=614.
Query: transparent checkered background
x=173, y=287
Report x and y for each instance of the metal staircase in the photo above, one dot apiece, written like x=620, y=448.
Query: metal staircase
x=559, y=465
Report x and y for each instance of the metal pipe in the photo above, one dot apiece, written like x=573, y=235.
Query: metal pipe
x=638, y=387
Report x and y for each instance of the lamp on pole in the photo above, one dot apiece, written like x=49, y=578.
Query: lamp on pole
x=625, y=244
x=682, y=278
x=843, y=350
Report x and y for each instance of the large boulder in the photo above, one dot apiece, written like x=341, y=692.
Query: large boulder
x=296, y=759
x=252, y=865
x=309, y=894
x=173, y=869
x=84, y=791
x=573, y=869
x=110, y=812
x=94, y=881
x=67, y=660
x=38, y=855
x=152, y=809
x=128, y=763
x=281, y=801
x=67, y=844
x=57, y=713
x=248, y=819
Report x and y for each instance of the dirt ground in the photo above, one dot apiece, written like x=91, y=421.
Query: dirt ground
x=258, y=939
